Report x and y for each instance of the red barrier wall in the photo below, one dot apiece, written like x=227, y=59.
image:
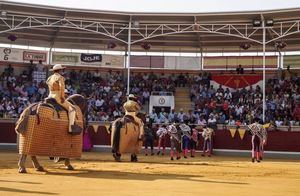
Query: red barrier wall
x=7, y=132
x=277, y=140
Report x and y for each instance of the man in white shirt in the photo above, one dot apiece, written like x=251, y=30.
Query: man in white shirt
x=42, y=91
x=146, y=95
x=239, y=110
x=219, y=94
x=171, y=116
x=117, y=113
x=153, y=116
x=145, y=77
x=104, y=117
x=212, y=120
x=181, y=116
x=201, y=121
x=107, y=88
x=227, y=95
x=40, y=67
x=99, y=103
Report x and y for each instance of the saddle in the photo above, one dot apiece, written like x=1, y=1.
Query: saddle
x=129, y=119
x=33, y=109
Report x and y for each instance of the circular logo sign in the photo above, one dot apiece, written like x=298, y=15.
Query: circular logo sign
x=161, y=101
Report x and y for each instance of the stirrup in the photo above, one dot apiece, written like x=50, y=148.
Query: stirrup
x=75, y=129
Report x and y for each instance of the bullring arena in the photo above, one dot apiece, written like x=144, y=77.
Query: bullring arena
x=165, y=102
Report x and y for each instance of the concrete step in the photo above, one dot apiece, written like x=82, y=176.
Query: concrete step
x=185, y=99
x=183, y=103
x=182, y=99
x=183, y=106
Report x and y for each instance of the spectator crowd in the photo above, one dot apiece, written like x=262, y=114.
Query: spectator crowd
x=106, y=93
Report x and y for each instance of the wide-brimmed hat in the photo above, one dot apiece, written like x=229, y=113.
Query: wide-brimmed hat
x=57, y=67
x=132, y=97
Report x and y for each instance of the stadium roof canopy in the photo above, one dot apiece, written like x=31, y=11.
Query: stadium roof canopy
x=47, y=26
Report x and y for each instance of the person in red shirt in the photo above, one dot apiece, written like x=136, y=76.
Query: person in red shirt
x=212, y=104
x=296, y=112
x=226, y=107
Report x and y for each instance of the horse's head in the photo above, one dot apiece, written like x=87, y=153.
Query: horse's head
x=81, y=102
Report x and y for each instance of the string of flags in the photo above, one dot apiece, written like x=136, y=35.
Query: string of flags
x=242, y=131
x=232, y=131
x=96, y=127
x=239, y=130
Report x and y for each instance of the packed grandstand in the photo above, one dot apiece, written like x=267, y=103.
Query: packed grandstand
x=107, y=93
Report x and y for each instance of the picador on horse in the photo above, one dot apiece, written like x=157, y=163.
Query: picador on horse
x=127, y=132
x=56, y=84
x=53, y=127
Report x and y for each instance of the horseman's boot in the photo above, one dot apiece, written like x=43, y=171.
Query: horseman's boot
x=68, y=164
x=134, y=158
x=21, y=163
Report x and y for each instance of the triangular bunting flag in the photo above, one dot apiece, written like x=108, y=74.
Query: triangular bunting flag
x=95, y=127
x=242, y=133
x=107, y=127
x=232, y=132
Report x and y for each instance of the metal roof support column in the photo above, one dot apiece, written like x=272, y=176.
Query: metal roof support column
x=128, y=56
x=264, y=70
x=201, y=60
x=50, y=56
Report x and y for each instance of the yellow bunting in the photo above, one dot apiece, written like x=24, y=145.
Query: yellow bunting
x=266, y=125
x=95, y=127
x=232, y=132
x=107, y=127
x=242, y=133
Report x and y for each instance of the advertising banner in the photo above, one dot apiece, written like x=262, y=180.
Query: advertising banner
x=35, y=56
x=182, y=63
x=291, y=60
x=65, y=58
x=77, y=59
x=91, y=58
x=116, y=61
x=232, y=62
x=11, y=55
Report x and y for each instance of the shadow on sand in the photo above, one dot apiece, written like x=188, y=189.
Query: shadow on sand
x=19, y=191
x=120, y=175
x=23, y=182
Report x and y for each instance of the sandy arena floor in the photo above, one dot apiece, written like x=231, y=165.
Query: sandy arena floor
x=98, y=174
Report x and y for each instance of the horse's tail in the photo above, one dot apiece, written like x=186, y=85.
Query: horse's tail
x=115, y=135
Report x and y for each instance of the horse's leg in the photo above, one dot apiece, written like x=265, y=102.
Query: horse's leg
x=36, y=164
x=21, y=163
x=58, y=159
x=117, y=156
x=68, y=164
x=115, y=135
x=134, y=157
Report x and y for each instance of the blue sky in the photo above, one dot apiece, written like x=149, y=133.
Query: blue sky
x=183, y=6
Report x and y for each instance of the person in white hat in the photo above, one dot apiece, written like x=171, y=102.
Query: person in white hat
x=56, y=84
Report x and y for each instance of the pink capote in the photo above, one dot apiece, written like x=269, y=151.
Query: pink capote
x=87, y=144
